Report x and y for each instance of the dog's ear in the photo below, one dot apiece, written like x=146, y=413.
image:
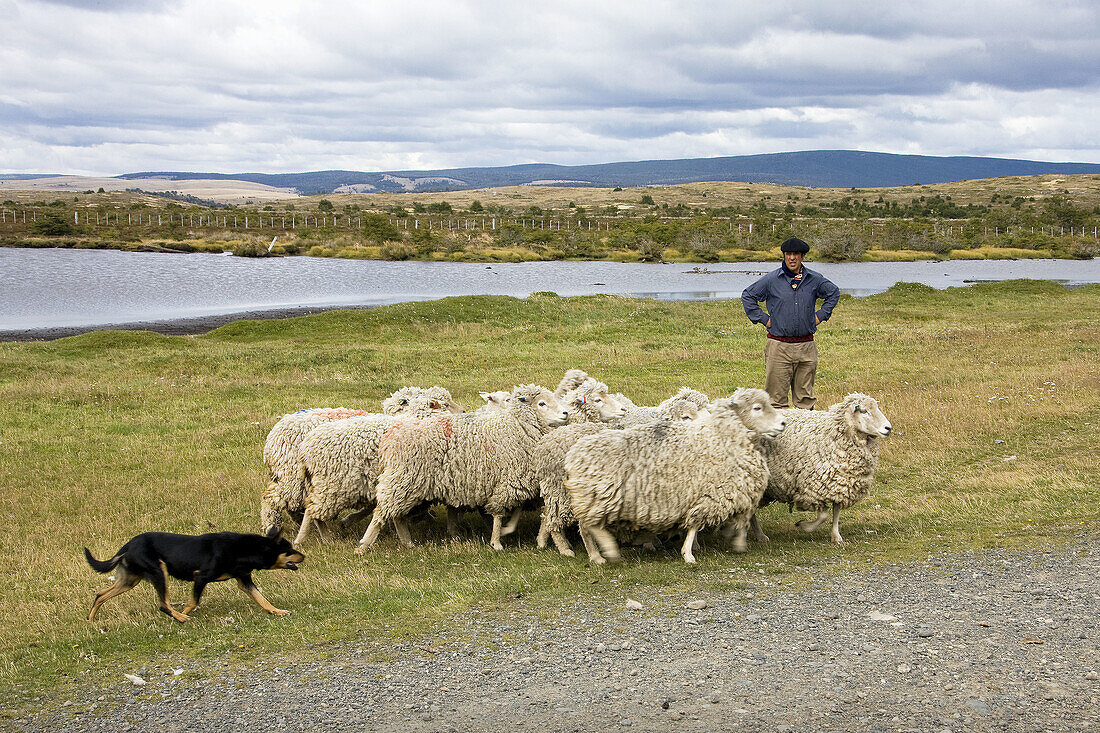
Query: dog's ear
x=274, y=533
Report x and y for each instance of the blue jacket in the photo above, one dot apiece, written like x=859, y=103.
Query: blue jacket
x=791, y=310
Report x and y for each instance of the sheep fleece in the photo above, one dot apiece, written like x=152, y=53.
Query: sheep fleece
x=471, y=460
x=820, y=461
x=667, y=475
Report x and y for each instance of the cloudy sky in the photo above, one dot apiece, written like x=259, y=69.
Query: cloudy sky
x=102, y=88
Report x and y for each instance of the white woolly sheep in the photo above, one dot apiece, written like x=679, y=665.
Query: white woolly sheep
x=284, y=491
x=550, y=469
x=673, y=475
x=636, y=415
x=572, y=379
x=825, y=458
x=494, y=400
x=477, y=460
x=338, y=463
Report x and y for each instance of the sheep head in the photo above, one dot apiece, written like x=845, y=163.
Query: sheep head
x=572, y=379
x=419, y=403
x=444, y=396
x=754, y=408
x=683, y=410
x=863, y=416
x=592, y=400
x=687, y=394
x=398, y=402
x=496, y=400
x=550, y=410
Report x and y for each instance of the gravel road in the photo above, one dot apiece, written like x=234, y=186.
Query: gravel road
x=990, y=640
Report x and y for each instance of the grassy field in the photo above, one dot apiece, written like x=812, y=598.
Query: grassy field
x=993, y=390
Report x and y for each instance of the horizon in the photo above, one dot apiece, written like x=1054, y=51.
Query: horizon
x=155, y=172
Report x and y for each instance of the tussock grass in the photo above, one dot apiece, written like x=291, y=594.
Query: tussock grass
x=994, y=391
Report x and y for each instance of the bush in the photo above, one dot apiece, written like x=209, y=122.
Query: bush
x=705, y=246
x=840, y=247
x=1084, y=250
x=251, y=249
x=396, y=251
x=52, y=224
x=378, y=228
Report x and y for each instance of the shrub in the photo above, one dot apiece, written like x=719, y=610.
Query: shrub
x=378, y=228
x=251, y=249
x=843, y=246
x=396, y=251
x=52, y=224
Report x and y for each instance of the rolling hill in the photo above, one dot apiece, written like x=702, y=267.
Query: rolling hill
x=817, y=168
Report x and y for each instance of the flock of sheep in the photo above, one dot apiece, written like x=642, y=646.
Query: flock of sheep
x=580, y=455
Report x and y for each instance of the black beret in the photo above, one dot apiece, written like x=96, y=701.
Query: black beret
x=794, y=244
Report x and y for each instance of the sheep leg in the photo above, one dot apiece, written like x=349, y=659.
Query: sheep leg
x=356, y=516
x=303, y=531
x=591, y=548
x=452, y=523
x=402, y=529
x=807, y=526
x=564, y=548
x=324, y=531
x=543, y=538
x=689, y=544
x=513, y=522
x=757, y=532
x=836, y=526
x=740, y=542
x=371, y=535
x=609, y=548
x=494, y=541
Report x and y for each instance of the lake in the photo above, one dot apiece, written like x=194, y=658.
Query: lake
x=51, y=288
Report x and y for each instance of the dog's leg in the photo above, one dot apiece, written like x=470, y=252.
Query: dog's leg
x=196, y=593
x=250, y=590
x=124, y=581
x=160, y=582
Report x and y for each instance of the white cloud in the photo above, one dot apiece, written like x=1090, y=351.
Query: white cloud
x=282, y=86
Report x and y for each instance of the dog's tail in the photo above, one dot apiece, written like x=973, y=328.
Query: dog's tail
x=102, y=566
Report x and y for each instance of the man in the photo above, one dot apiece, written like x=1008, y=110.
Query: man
x=791, y=294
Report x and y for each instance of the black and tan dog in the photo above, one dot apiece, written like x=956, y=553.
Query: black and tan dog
x=200, y=559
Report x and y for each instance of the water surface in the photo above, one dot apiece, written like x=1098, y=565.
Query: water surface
x=47, y=288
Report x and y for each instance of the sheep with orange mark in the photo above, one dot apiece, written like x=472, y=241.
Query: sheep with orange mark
x=284, y=491
x=480, y=460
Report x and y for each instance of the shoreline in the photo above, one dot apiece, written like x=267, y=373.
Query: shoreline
x=169, y=327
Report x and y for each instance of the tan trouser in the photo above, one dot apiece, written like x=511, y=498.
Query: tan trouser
x=790, y=368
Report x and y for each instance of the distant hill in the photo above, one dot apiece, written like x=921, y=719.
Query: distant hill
x=817, y=168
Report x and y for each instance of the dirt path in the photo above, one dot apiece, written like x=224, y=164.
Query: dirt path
x=991, y=640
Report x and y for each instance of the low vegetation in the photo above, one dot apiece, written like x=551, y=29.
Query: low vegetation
x=1035, y=216
x=993, y=391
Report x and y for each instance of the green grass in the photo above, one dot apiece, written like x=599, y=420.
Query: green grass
x=993, y=389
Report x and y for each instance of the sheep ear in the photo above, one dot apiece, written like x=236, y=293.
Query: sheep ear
x=484, y=396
